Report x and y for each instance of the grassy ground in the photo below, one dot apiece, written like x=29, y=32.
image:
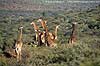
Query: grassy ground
x=84, y=53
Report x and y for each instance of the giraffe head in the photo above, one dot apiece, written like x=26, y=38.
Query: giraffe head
x=57, y=26
x=21, y=27
x=39, y=20
x=74, y=23
x=32, y=23
x=36, y=28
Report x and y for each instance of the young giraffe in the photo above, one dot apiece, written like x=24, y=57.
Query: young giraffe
x=18, y=45
x=38, y=33
x=73, y=38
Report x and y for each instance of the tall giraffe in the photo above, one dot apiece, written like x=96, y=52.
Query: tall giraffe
x=45, y=32
x=38, y=33
x=36, y=30
x=49, y=37
x=43, y=23
x=18, y=45
x=73, y=38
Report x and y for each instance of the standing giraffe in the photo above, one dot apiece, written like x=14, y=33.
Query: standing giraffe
x=73, y=38
x=36, y=30
x=45, y=32
x=43, y=23
x=49, y=37
x=38, y=33
x=18, y=45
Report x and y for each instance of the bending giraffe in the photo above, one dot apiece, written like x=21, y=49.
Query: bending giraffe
x=18, y=45
x=52, y=37
x=73, y=38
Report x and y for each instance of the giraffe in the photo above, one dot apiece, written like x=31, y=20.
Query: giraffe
x=45, y=32
x=43, y=23
x=52, y=37
x=51, y=42
x=73, y=38
x=49, y=37
x=43, y=37
x=18, y=45
x=36, y=29
x=38, y=33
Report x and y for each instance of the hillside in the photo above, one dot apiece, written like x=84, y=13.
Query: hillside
x=30, y=5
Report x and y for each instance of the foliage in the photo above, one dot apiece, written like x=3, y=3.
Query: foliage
x=86, y=51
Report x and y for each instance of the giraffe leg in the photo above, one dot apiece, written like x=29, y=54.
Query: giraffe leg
x=36, y=37
x=20, y=55
x=17, y=53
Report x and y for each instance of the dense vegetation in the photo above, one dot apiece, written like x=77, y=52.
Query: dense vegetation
x=86, y=51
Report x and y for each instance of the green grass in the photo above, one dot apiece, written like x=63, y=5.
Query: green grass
x=83, y=54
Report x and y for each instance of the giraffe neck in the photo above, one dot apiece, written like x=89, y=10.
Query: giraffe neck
x=74, y=29
x=43, y=23
x=20, y=35
x=35, y=27
x=56, y=30
x=44, y=26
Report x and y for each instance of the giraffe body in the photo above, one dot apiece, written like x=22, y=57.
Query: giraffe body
x=18, y=45
x=38, y=34
x=73, y=38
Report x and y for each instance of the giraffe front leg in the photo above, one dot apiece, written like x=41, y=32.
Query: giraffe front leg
x=17, y=53
x=36, y=37
x=17, y=56
x=20, y=55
